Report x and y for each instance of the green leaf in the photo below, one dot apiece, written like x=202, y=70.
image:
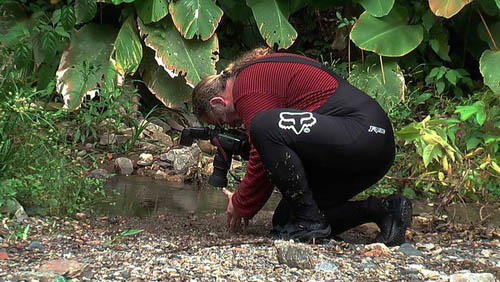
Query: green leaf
x=85, y=10
x=368, y=77
x=377, y=8
x=447, y=8
x=439, y=41
x=451, y=76
x=60, y=278
x=172, y=92
x=387, y=36
x=68, y=18
x=193, y=59
x=409, y=132
x=428, y=20
x=272, y=20
x=427, y=154
x=472, y=142
x=495, y=33
x=151, y=10
x=466, y=111
x=489, y=65
x=128, y=48
x=197, y=18
x=131, y=232
x=440, y=85
x=84, y=62
x=481, y=113
x=498, y=3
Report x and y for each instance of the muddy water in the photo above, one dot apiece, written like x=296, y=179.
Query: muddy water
x=145, y=196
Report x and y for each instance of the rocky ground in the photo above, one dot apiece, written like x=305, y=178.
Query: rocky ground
x=198, y=248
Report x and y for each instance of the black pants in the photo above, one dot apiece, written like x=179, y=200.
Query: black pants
x=327, y=156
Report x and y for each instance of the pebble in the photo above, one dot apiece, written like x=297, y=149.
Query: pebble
x=35, y=245
x=409, y=250
x=326, y=266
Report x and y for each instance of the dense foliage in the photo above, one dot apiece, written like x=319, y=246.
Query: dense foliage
x=433, y=65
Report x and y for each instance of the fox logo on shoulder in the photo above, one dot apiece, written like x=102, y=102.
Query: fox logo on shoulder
x=298, y=122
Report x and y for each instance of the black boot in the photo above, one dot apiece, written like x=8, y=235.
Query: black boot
x=302, y=222
x=281, y=216
x=306, y=230
x=394, y=222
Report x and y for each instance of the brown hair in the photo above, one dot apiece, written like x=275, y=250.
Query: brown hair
x=213, y=85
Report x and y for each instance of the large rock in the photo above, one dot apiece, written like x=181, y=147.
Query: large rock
x=63, y=267
x=156, y=132
x=12, y=206
x=294, y=254
x=125, y=166
x=472, y=277
x=184, y=158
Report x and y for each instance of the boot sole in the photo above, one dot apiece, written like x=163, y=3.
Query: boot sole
x=404, y=221
x=314, y=234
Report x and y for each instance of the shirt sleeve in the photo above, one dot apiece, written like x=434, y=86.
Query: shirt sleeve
x=256, y=188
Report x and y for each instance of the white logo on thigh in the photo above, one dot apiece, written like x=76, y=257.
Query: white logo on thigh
x=298, y=122
x=376, y=129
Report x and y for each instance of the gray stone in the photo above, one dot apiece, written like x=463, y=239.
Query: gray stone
x=326, y=266
x=294, y=254
x=35, y=245
x=36, y=276
x=184, y=158
x=125, y=166
x=409, y=250
x=162, y=164
x=99, y=173
x=12, y=206
x=472, y=277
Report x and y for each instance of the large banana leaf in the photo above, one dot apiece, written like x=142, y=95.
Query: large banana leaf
x=193, y=59
x=195, y=17
x=387, y=36
x=172, y=92
x=489, y=65
x=84, y=62
x=368, y=77
x=271, y=17
x=498, y=3
x=128, y=48
x=151, y=10
x=377, y=8
x=495, y=33
x=447, y=8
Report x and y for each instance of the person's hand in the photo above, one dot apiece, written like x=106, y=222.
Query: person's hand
x=233, y=217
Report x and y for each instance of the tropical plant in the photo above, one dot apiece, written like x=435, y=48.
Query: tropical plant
x=183, y=46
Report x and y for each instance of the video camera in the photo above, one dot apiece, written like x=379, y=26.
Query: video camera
x=228, y=143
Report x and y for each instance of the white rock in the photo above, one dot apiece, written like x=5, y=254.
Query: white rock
x=472, y=277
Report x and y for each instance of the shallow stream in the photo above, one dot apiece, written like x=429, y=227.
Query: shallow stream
x=145, y=196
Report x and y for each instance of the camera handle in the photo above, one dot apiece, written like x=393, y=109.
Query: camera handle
x=222, y=163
